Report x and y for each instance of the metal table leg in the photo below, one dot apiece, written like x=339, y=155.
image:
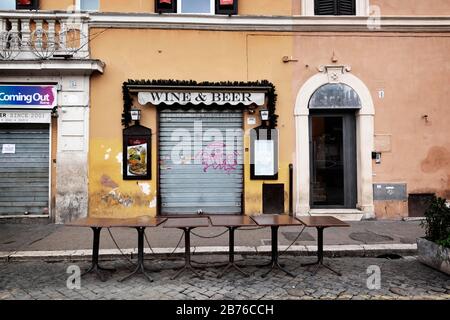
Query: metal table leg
x=140, y=264
x=319, y=261
x=274, y=262
x=95, y=252
x=187, y=254
x=231, y=263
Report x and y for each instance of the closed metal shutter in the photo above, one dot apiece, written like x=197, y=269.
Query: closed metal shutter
x=24, y=175
x=202, y=172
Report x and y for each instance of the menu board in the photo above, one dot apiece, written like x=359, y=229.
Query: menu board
x=264, y=154
x=264, y=158
x=137, y=153
x=137, y=157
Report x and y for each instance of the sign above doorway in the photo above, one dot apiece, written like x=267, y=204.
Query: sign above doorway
x=192, y=93
x=28, y=96
x=197, y=97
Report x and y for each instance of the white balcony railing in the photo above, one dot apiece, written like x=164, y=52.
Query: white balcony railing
x=40, y=36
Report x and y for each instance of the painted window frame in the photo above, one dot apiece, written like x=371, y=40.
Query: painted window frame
x=78, y=6
x=362, y=8
x=212, y=10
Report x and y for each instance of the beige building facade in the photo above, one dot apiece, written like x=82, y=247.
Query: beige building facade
x=357, y=105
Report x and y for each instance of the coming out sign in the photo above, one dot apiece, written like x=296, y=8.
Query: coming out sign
x=28, y=96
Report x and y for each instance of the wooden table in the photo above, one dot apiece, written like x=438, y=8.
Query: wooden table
x=139, y=223
x=96, y=224
x=186, y=224
x=320, y=223
x=275, y=222
x=232, y=223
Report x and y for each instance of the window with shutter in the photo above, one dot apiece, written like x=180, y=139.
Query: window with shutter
x=166, y=6
x=26, y=4
x=334, y=7
x=347, y=7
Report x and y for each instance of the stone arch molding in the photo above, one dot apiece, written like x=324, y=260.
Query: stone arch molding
x=364, y=138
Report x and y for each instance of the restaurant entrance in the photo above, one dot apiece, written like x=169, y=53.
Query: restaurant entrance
x=333, y=160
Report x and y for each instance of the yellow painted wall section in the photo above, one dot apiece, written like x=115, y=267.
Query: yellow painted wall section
x=172, y=54
x=109, y=195
x=246, y=7
x=56, y=4
x=141, y=6
x=267, y=7
x=411, y=69
x=265, y=53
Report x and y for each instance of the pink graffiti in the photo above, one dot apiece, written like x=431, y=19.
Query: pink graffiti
x=213, y=156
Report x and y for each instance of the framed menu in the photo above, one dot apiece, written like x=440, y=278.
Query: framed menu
x=137, y=153
x=264, y=154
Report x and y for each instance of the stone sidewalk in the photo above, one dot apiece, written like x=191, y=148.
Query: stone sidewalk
x=400, y=279
x=363, y=238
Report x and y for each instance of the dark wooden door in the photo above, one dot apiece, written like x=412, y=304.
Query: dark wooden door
x=332, y=160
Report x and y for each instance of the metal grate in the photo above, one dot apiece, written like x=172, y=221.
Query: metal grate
x=201, y=161
x=24, y=174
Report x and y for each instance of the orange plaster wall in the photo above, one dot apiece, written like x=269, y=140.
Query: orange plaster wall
x=413, y=7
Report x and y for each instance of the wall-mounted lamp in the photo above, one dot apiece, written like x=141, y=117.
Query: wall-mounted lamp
x=135, y=114
x=264, y=113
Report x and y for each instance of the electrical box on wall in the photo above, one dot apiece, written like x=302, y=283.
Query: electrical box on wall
x=377, y=157
x=273, y=198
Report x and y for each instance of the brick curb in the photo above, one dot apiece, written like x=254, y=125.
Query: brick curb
x=364, y=250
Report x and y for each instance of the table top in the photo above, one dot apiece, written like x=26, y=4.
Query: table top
x=186, y=222
x=142, y=221
x=322, y=221
x=231, y=221
x=276, y=220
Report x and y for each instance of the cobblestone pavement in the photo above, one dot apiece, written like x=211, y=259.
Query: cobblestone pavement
x=404, y=278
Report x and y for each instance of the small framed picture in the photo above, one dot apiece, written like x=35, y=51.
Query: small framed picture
x=137, y=153
x=27, y=4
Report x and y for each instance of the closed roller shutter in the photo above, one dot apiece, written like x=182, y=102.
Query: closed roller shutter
x=207, y=175
x=24, y=175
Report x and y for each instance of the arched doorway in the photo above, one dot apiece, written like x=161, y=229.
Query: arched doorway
x=334, y=109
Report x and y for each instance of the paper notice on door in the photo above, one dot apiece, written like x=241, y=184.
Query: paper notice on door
x=9, y=148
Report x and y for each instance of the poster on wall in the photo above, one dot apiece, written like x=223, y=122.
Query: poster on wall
x=137, y=153
x=264, y=158
x=264, y=154
x=137, y=157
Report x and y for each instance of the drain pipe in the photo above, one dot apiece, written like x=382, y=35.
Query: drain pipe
x=291, y=189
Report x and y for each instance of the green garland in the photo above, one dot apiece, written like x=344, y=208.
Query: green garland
x=128, y=101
